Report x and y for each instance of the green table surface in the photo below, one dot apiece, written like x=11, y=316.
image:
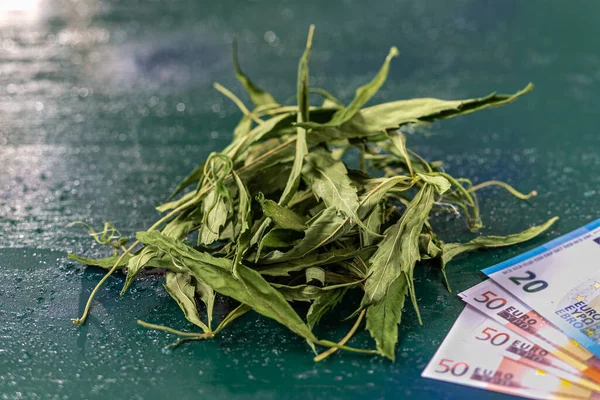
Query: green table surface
x=105, y=104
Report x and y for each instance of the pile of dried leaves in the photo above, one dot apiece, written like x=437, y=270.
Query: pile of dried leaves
x=277, y=217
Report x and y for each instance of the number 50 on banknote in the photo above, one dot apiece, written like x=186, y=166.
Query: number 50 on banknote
x=561, y=281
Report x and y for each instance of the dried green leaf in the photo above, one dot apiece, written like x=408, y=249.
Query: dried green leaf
x=242, y=128
x=380, y=187
x=182, y=290
x=316, y=274
x=244, y=221
x=180, y=227
x=329, y=100
x=398, y=251
x=215, y=217
x=326, y=227
x=309, y=292
x=171, y=205
x=280, y=238
x=363, y=95
x=316, y=259
x=328, y=179
x=257, y=134
x=373, y=222
x=137, y=262
x=109, y=262
x=427, y=246
x=207, y=295
x=244, y=215
x=257, y=95
x=439, y=182
x=106, y=263
x=393, y=115
x=383, y=317
x=303, y=116
x=451, y=250
x=233, y=315
x=270, y=180
x=250, y=288
x=398, y=147
x=282, y=216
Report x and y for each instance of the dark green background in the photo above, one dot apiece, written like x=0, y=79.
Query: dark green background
x=90, y=130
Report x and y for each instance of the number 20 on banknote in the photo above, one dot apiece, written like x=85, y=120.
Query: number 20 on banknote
x=561, y=281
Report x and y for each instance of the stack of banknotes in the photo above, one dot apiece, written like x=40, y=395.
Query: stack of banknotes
x=533, y=328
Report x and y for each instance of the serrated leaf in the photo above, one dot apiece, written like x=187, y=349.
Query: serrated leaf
x=244, y=221
x=451, y=250
x=328, y=179
x=182, y=290
x=398, y=251
x=370, y=122
x=328, y=225
x=383, y=318
x=180, y=227
x=395, y=114
x=378, y=189
x=250, y=288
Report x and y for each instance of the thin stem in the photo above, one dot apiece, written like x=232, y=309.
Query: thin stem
x=148, y=325
x=86, y=310
x=470, y=196
x=506, y=186
x=238, y=103
x=187, y=337
x=342, y=342
x=185, y=340
x=421, y=159
x=328, y=343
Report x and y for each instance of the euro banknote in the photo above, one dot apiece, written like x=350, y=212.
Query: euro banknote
x=561, y=282
x=473, y=363
x=501, y=306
